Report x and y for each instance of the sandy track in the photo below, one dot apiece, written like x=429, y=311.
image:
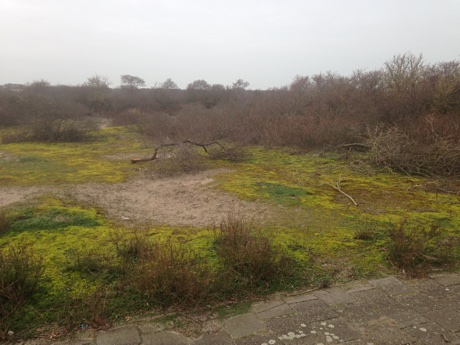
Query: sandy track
x=188, y=200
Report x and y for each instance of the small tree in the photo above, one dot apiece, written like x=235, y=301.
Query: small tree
x=198, y=91
x=97, y=81
x=198, y=85
x=169, y=84
x=95, y=93
x=240, y=84
x=131, y=82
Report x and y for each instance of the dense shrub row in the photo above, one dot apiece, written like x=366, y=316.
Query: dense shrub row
x=414, y=103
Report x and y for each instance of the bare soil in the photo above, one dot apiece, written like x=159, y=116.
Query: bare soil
x=185, y=200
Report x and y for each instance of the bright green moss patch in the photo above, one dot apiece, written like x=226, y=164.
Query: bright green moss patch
x=52, y=219
x=285, y=195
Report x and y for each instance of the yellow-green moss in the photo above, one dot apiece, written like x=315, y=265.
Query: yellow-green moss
x=329, y=219
x=105, y=159
x=315, y=223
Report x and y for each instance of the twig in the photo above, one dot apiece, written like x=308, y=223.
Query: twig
x=339, y=189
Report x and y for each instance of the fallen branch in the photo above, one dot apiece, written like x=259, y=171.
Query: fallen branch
x=156, y=149
x=339, y=189
x=359, y=146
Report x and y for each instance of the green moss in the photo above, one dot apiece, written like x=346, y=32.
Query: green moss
x=312, y=222
x=105, y=159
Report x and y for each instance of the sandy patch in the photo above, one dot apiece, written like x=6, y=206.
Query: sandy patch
x=187, y=200
x=11, y=195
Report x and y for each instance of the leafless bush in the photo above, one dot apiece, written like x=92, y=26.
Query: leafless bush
x=20, y=273
x=170, y=274
x=61, y=130
x=15, y=135
x=179, y=159
x=159, y=127
x=396, y=149
x=5, y=222
x=230, y=153
x=250, y=260
x=416, y=247
x=132, y=116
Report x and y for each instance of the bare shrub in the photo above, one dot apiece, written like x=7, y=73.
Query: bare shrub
x=5, y=222
x=179, y=159
x=396, y=149
x=415, y=247
x=249, y=259
x=61, y=130
x=170, y=274
x=15, y=135
x=235, y=153
x=159, y=126
x=131, y=116
x=133, y=248
x=20, y=274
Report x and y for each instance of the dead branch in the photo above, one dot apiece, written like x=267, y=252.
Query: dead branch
x=357, y=146
x=157, y=148
x=338, y=188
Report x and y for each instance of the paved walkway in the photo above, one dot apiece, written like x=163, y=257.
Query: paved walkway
x=383, y=311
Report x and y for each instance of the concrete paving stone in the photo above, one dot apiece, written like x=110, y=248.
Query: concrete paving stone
x=128, y=335
x=432, y=288
x=221, y=338
x=391, y=285
x=293, y=333
x=334, y=296
x=283, y=309
x=356, y=286
x=337, y=329
x=74, y=342
x=314, y=310
x=212, y=326
x=405, y=317
x=299, y=298
x=431, y=333
x=357, y=314
x=385, y=331
x=301, y=338
x=446, y=279
x=257, y=340
x=263, y=306
x=377, y=299
x=447, y=318
x=285, y=324
x=244, y=325
x=422, y=303
x=165, y=338
x=146, y=328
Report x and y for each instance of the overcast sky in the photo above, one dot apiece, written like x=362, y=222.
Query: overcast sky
x=265, y=42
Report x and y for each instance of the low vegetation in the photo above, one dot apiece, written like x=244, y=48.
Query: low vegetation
x=360, y=175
